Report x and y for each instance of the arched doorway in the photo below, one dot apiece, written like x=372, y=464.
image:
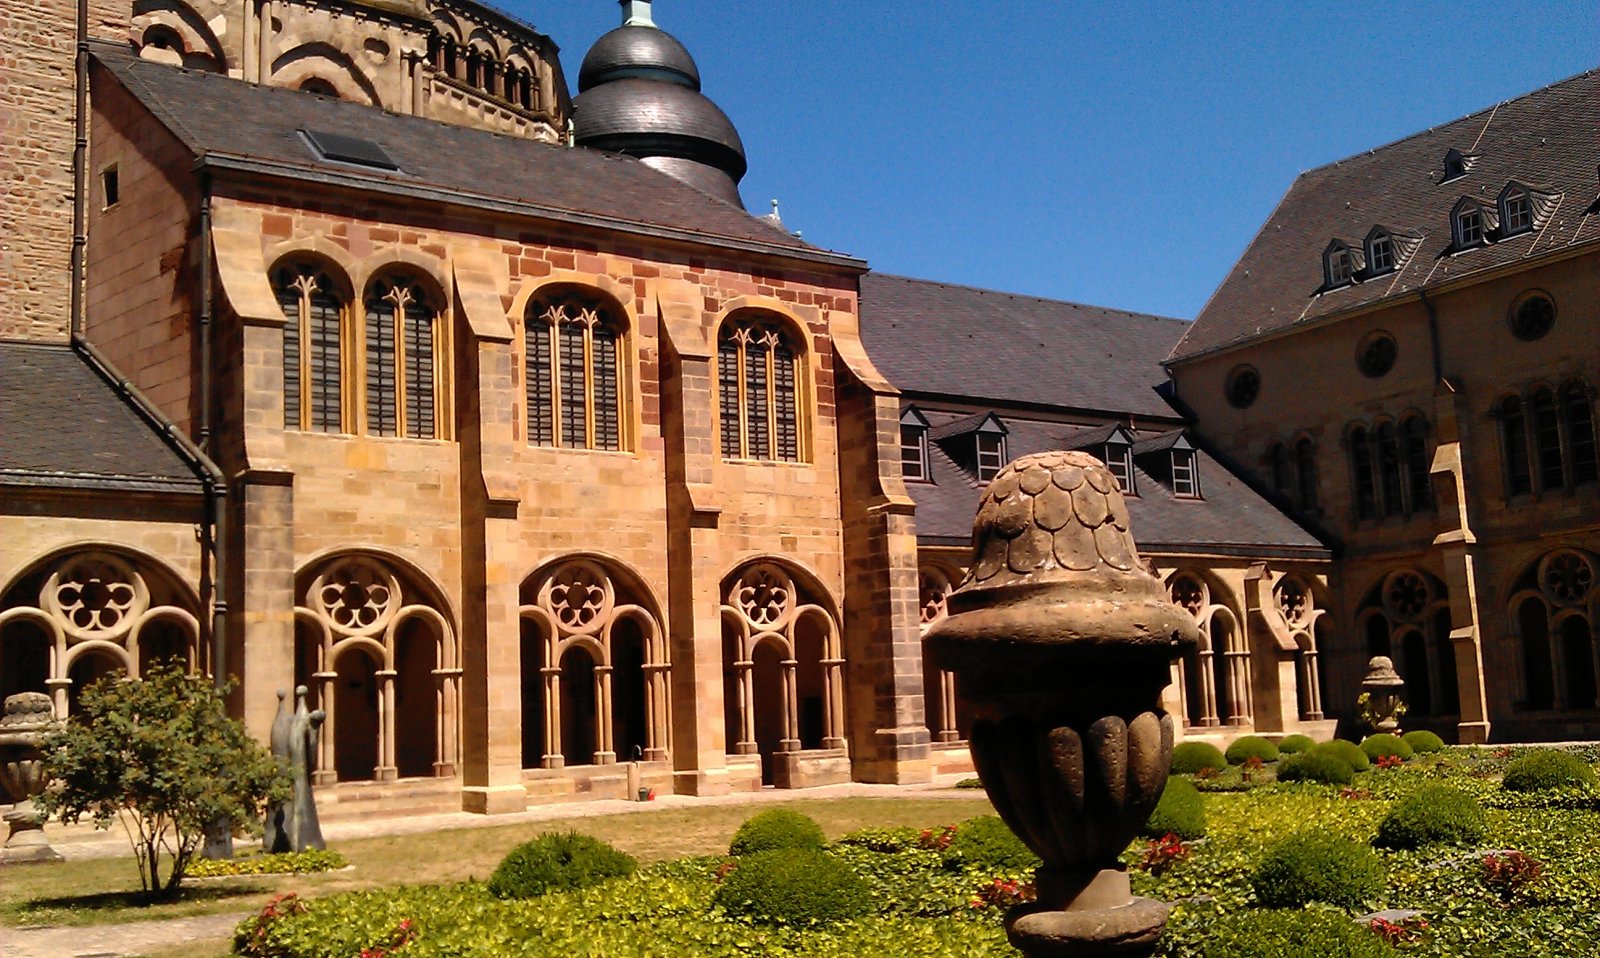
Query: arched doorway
x=354, y=707
x=578, y=711
x=1552, y=608
x=769, y=703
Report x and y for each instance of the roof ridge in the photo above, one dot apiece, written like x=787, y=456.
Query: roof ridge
x=1491, y=109
x=1031, y=296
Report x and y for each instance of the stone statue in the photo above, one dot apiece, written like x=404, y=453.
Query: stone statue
x=27, y=716
x=1062, y=641
x=292, y=826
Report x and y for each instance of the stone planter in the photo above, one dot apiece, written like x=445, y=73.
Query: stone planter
x=1062, y=643
x=26, y=718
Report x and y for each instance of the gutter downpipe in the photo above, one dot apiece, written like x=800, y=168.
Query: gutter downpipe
x=1433, y=335
x=80, y=167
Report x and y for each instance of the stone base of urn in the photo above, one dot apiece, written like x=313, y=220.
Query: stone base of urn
x=26, y=841
x=1078, y=916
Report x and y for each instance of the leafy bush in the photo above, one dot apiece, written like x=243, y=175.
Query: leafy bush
x=557, y=862
x=1191, y=757
x=986, y=843
x=1241, y=750
x=1181, y=812
x=1316, y=765
x=1423, y=742
x=776, y=828
x=1347, y=750
x=970, y=783
x=1548, y=769
x=287, y=863
x=1384, y=745
x=1293, y=744
x=1317, y=866
x=793, y=886
x=883, y=839
x=162, y=754
x=1316, y=933
x=1433, y=814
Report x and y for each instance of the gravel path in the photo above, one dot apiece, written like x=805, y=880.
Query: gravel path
x=112, y=941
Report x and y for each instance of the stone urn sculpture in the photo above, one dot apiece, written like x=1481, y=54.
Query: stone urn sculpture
x=1062, y=643
x=26, y=718
x=1381, y=700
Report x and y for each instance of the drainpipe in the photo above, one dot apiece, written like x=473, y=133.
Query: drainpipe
x=217, y=493
x=80, y=167
x=1433, y=335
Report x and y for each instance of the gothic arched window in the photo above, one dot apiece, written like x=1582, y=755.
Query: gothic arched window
x=401, y=359
x=314, y=312
x=573, y=362
x=1547, y=439
x=758, y=377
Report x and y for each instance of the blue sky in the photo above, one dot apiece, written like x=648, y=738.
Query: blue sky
x=1119, y=154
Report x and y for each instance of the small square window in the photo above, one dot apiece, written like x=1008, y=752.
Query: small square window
x=1469, y=228
x=914, y=453
x=110, y=187
x=1519, y=214
x=1184, y=483
x=1119, y=462
x=991, y=456
x=1381, y=259
x=1340, y=267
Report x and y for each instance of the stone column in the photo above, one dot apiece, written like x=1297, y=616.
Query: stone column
x=387, y=770
x=791, y=708
x=327, y=771
x=553, y=755
x=605, y=746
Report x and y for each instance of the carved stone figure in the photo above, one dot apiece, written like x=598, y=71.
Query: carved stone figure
x=1062, y=641
x=26, y=718
x=293, y=826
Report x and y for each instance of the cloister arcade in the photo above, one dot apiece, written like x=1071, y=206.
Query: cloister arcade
x=1553, y=607
x=1214, y=684
x=1406, y=616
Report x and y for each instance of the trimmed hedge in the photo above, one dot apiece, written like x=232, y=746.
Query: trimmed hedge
x=986, y=843
x=1347, y=750
x=776, y=828
x=1432, y=815
x=1241, y=750
x=1423, y=742
x=1191, y=757
x=1316, y=765
x=1384, y=745
x=1293, y=744
x=1319, y=933
x=1548, y=769
x=799, y=886
x=883, y=839
x=558, y=862
x=1181, y=812
x=1317, y=866
x=283, y=863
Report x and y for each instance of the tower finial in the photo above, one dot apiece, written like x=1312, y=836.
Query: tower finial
x=636, y=13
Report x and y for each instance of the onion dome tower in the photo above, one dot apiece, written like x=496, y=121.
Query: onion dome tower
x=639, y=94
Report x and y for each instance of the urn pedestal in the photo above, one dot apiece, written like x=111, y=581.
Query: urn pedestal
x=26, y=718
x=1062, y=642
x=1382, y=698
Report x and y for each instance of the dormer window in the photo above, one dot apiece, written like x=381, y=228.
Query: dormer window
x=1516, y=211
x=1118, y=457
x=1456, y=164
x=1185, y=479
x=1170, y=460
x=1380, y=254
x=1338, y=265
x=914, y=446
x=991, y=455
x=1467, y=224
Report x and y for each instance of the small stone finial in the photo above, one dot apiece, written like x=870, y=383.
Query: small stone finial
x=636, y=13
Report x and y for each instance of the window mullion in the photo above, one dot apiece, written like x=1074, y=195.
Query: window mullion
x=401, y=369
x=1531, y=440
x=555, y=383
x=772, y=402
x=588, y=384
x=305, y=358
x=744, y=417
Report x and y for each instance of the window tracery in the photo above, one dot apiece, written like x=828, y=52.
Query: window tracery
x=946, y=715
x=1547, y=439
x=574, y=357
x=401, y=359
x=1389, y=467
x=1297, y=604
x=758, y=385
x=1553, y=611
x=313, y=347
x=1406, y=616
x=1214, y=684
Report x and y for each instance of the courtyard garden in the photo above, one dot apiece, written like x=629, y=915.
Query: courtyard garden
x=1400, y=848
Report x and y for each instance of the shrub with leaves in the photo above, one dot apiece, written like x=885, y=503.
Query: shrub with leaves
x=1548, y=769
x=986, y=843
x=1432, y=815
x=1241, y=750
x=558, y=862
x=161, y=754
x=1347, y=750
x=793, y=886
x=1384, y=745
x=776, y=828
x=287, y=863
x=1190, y=757
x=885, y=839
x=1314, y=933
x=1293, y=744
x=1181, y=811
x=1160, y=854
x=1423, y=742
x=1316, y=765
x=1317, y=866
x=1507, y=874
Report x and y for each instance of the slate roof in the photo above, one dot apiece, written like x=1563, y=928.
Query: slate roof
x=1548, y=138
x=223, y=120
x=959, y=341
x=63, y=426
x=1230, y=519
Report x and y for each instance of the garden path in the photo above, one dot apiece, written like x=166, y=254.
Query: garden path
x=112, y=941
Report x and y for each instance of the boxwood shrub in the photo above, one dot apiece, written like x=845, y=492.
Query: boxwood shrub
x=1296, y=743
x=1384, y=745
x=883, y=839
x=1241, y=750
x=1314, y=933
x=558, y=862
x=986, y=843
x=1432, y=815
x=1191, y=757
x=1548, y=769
x=1316, y=765
x=1181, y=812
x=776, y=828
x=1347, y=750
x=1317, y=866
x=1423, y=741
x=798, y=886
